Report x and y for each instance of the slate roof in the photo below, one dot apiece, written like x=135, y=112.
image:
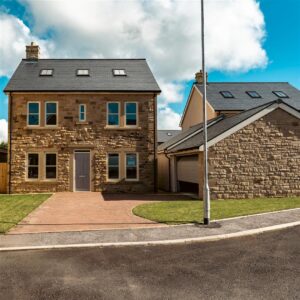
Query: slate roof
x=165, y=135
x=139, y=76
x=242, y=100
x=184, y=134
x=215, y=128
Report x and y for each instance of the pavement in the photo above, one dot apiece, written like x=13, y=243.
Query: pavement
x=153, y=235
x=264, y=266
x=67, y=211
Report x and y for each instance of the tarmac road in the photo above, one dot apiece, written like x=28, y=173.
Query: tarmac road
x=265, y=266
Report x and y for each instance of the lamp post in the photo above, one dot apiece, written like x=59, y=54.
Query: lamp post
x=206, y=193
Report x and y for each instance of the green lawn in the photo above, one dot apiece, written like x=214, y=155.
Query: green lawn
x=191, y=211
x=14, y=208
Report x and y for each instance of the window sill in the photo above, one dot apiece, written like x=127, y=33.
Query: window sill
x=122, y=128
x=132, y=180
x=42, y=128
x=82, y=123
x=41, y=180
x=113, y=180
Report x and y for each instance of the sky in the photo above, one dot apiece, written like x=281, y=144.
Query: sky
x=246, y=40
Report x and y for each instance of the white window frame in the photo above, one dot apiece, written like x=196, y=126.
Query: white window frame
x=46, y=72
x=46, y=125
x=45, y=164
x=107, y=167
x=82, y=72
x=39, y=114
x=27, y=166
x=84, y=119
x=119, y=72
x=137, y=167
x=136, y=113
x=107, y=114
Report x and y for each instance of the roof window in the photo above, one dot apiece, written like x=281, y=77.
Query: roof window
x=119, y=72
x=226, y=94
x=46, y=72
x=253, y=94
x=280, y=94
x=82, y=72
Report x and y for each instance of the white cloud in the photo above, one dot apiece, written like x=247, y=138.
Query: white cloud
x=166, y=32
x=3, y=130
x=235, y=33
x=171, y=92
x=167, y=118
x=13, y=38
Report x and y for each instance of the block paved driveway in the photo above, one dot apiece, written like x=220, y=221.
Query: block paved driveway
x=88, y=211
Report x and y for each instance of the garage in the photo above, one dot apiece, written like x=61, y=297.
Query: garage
x=188, y=173
x=253, y=154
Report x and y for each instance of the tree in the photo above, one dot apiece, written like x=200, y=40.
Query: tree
x=3, y=145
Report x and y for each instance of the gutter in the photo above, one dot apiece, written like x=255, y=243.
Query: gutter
x=84, y=91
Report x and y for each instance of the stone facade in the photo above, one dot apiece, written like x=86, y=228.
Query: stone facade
x=261, y=159
x=91, y=135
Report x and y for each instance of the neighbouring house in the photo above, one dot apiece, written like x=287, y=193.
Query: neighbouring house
x=3, y=155
x=82, y=125
x=253, y=139
x=164, y=135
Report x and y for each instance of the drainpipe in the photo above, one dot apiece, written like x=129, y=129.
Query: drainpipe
x=155, y=144
x=10, y=139
x=169, y=173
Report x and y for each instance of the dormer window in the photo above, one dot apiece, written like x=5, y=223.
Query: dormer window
x=226, y=94
x=82, y=72
x=253, y=94
x=119, y=72
x=280, y=94
x=46, y=72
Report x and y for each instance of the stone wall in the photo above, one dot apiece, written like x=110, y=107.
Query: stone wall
x=91, y=135
x=262, y=159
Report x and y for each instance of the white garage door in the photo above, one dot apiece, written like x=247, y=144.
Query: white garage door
x=188, y=169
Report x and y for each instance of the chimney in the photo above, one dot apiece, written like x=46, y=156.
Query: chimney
x=199, y=77
x=32, y=51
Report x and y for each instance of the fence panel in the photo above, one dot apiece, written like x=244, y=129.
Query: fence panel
x=3, y=177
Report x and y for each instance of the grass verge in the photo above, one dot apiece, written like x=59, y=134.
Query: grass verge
x=14, y=208
x=191, y=211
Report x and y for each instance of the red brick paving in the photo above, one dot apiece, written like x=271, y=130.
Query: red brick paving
x=87, y=211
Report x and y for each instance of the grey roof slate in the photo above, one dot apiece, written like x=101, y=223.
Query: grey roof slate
x=183, y=134
x=220, y=126
x=139, y=76
x=242, y=100
x=165, y=135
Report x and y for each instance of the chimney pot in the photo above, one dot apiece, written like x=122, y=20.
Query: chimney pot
x=199, y=77
x=32, y=51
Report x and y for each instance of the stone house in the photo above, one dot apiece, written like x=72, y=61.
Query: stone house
x=82, y=125
x=253, y=139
